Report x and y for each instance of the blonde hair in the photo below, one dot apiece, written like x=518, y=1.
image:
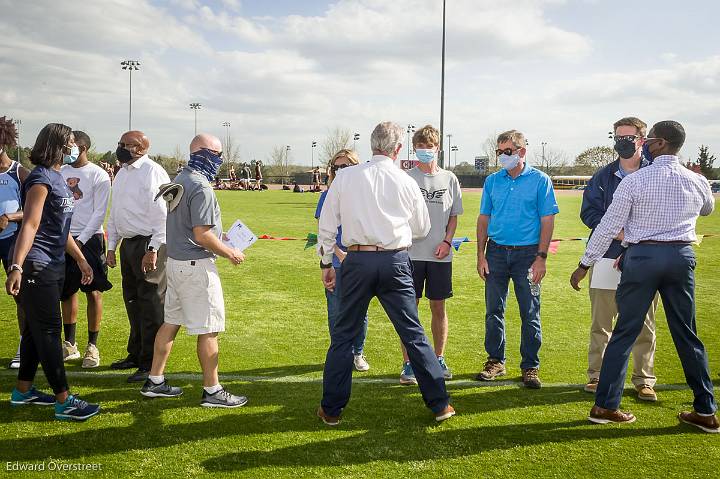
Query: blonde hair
x=639, y=125
x=351, y=155
x=427, y=135
x=517, y=138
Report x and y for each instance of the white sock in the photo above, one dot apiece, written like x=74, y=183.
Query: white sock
x=704, y=415
x=18, y=351
x=157, y=379
x=212, y=389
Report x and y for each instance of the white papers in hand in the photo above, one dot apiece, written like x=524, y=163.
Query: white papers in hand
x=604, y=276
x=239, y=236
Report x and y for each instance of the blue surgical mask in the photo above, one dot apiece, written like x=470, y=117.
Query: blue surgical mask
x=646, y=153
x=509, y=161
x=72, y=157
x=425, y=155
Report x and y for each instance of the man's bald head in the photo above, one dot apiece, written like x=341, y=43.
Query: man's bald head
x=203, y=140
x=136, y=143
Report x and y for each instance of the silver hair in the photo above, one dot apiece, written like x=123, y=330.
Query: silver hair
x=386, y=137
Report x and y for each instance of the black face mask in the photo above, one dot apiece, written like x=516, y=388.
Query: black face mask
x=625, y=148
x=123, y=155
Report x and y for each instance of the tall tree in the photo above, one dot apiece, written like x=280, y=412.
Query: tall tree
x=596, y=157
x=553, y=159
x=335, y=140
x=489, y=147
x=705, y=161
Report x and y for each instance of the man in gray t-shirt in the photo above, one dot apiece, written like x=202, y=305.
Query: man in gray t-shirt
x=432, y=255
x=194, y=297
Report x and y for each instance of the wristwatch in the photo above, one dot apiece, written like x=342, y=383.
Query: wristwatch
x=582, y=266
x=14, y=267
x=325, y=266
x=541, y=254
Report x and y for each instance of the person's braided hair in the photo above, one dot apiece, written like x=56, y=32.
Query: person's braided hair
x=8, y=132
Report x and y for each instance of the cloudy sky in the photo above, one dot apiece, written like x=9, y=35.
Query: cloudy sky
x=284, y=72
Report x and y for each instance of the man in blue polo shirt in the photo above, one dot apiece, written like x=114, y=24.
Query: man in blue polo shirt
x=516, y=224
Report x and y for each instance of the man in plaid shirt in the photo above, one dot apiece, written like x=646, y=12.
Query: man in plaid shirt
x=658, y=207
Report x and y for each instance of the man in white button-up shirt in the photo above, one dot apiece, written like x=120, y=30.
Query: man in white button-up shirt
x=381, y=211
x=137, y=223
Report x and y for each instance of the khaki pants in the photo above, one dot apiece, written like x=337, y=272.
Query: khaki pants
x=604, y=313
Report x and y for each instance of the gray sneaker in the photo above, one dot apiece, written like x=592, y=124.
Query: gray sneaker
x=162, y=390
x=222, y=398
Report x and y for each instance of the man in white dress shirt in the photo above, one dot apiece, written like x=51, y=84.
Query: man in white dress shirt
x=137, y=223
x=381, y=211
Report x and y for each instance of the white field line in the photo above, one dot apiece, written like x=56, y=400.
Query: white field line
x=357, y=379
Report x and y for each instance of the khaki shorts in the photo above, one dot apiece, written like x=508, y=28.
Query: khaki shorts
x=194, y=297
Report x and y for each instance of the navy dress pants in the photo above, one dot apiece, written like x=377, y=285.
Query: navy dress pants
x=647, y=269
x=386, y=275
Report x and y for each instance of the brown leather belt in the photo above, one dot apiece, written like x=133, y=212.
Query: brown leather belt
x=367, y=247
x=665, y=242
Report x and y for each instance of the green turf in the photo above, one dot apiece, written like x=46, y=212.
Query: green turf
x=277, y=328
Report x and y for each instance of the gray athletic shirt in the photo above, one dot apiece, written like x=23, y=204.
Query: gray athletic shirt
x=198, y=207
x=443, y=198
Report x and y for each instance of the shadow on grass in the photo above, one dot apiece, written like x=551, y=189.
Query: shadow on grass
x=390, y=421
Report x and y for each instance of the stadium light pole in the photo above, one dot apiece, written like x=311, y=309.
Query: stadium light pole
x=449, y=137
x=130, y=65
x=410, y=129
x=356, y=137
x=17, y=127
x=313, y=145
x=455, y=149
x=195, y=107
x=287, y=163
x=442, y=89
x=543, y=154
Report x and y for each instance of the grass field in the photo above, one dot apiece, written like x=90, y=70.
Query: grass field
x=273, y=352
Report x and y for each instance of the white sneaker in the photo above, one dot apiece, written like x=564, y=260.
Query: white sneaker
x=360, y=363
x=70, y=351
x=92, y=357
x=15, y=362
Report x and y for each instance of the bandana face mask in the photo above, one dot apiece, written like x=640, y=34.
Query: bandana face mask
x=206, y=163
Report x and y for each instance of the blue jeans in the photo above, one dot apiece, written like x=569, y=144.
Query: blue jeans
x=647, y=269
x=333, y=308
x=386, y=275
x=505, y=265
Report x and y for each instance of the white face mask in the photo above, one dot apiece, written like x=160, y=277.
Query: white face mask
x=509, y=161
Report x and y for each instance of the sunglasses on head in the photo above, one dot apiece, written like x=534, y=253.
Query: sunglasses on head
x=506, y=151
x=626, y=137
x=338, y=167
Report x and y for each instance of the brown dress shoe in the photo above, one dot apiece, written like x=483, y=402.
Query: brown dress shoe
x=600, y=415
x=329, y=420
x=706, y=423
x=446, y=413
x=646, y=393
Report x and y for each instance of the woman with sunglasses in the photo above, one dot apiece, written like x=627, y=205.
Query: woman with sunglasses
x=37, y=273
x=342, y=159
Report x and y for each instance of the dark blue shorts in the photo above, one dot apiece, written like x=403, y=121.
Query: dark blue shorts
x=94, y=252
x=434, y=277
x=5, y=245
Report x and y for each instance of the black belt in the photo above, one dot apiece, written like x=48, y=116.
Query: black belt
x=685, y=243
x=511, y=248
x=138, y=238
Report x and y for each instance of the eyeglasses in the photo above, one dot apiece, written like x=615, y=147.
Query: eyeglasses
x=506, y=151
x=127, y=145
x=626, y=137
x=339, y=167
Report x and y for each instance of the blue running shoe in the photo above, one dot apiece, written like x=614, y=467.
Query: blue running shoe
x=447, y=374
x=75, y=409
x=33, y=396
x=407, y=376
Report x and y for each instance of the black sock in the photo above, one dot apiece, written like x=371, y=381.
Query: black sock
x=70, y=332
x=92, y=337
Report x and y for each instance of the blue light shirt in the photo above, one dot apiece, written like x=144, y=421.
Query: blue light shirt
x=335, y=261
x=515, y=206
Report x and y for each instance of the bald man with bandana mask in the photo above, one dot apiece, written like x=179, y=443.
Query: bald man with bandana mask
x=137, y=225
x=194, y=294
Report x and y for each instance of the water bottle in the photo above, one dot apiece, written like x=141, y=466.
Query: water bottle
x=534, y=287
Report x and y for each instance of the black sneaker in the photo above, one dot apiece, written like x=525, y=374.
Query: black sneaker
x=139, y=376
x=162, y=390
x=222, y=398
